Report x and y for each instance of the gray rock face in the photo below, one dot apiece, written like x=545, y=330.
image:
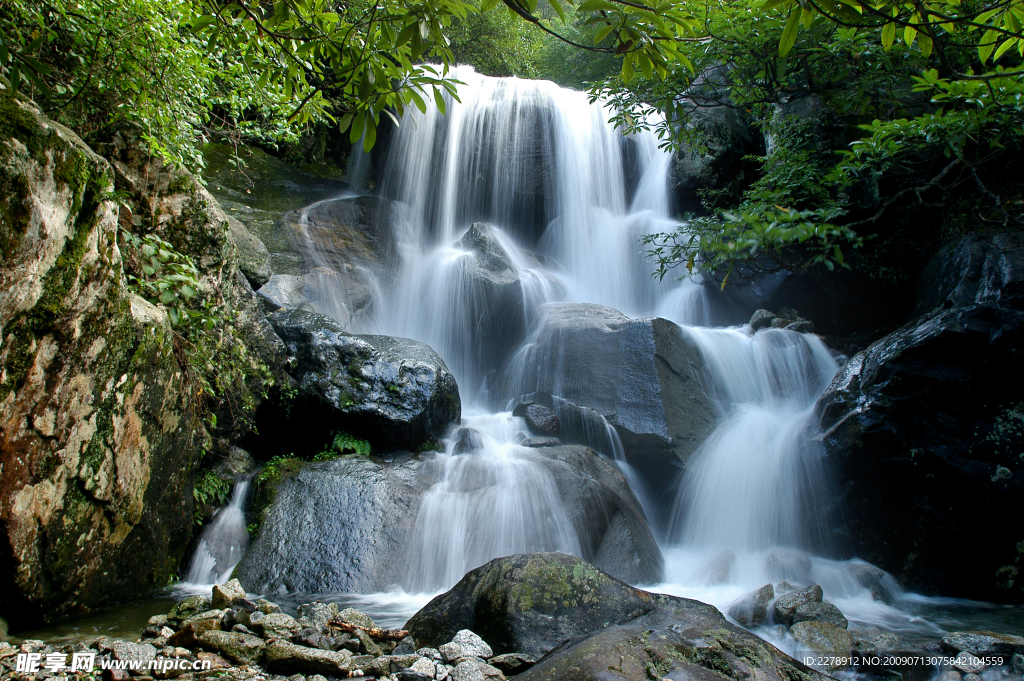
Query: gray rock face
x=537, y=442
x=787, y=604
x=613, y=532
x=983, y=643
x=752, y=610
x=643, y=375
x=919, y=427
x=395, y=391
x=253, y=256
x=981, y=268
x=820, y=612
x=338, y=525
x=345, y=296
x=539, y=419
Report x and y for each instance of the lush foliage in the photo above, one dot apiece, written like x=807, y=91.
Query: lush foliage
x=209, y=490
x=343, y=444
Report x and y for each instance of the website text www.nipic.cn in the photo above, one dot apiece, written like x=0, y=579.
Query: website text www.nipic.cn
x=31, y=663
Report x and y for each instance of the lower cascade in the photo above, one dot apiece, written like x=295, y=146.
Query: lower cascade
x=505, y=236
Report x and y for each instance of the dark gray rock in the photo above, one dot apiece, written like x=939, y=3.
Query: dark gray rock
x=253, y=256
x=824, y=640
x=643, y=375
x=467, y=440
x=283, y=657
x=539, y=419
x=242, y=649
x=752, y=610
x=541, y=442
x=820, y=612
x=612, y=530
x=787, y=603
x=761, y=318
x=980, y=268
x=588, y=624
x=512, y=663
x=983, y=643
x=396, y=392
x=918, y=427
x=339, y=525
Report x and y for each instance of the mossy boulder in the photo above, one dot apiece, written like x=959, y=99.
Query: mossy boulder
x=97, y=433
x=590, y=626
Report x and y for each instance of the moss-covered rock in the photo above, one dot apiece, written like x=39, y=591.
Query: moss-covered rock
x=97, y=434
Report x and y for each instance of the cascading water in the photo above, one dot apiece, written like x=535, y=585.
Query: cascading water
x=569, y=198
x=223, y=543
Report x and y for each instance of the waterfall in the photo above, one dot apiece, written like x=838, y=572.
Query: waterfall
x=224, y=540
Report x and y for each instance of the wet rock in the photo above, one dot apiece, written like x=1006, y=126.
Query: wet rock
x=528, y=604
x=1017, y=663
x=824, y=639
x=718, y=568
x=980, y=268
x=786, y=604
x=287, y=658
x=224, y=594
x=396, y=392
x=193, y=605
x=126, y=650
x=336, y=526
x=885, y=641
x=674, y=640
x=923, y=419
x=661, y=414
x=539, y=419
x=190, y=631
x=367, y=644
x=752, y=610
x=820, y=612
x=239, y=648
x=882, y=586
x=407, y=646
x=983, y=643
x=475, y=670
x=761, y=318
x=467, y=440
x=511, y=664
x=356, y=618
x=788, y=564
x=312, y=638
x=537, y=442
x=784, y=588
x=968, y=663
x=266, y=607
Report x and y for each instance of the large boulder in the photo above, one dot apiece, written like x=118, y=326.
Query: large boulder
x=643, y=375
x=926, y=426
x=345, y=297
x=97, y=432
x=588, y=624
x=980, y=268
x=396, y=392
x=336, y=526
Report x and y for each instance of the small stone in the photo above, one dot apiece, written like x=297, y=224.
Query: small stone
x=356, y=618
x=266, y=607
x=317, y=677
x=188, y=635
x=512, y=663
x=784, y=588
x=949, y=676
x=472, y=645
x=157, y=621
x=369, y=646
x=407, y=646
x=242, y=629
x=283, y=657
x=885, y=641
x=224, y=594
x=166, y=632
x=968, y=663
x=433, y=653
x=443, y=672
x=983, y=643
x=188, y=607
x=825, y=640
x=752, y=609
x=972, y=677
x=473, y=669
x=277, y=625
x=312, y=638
x=410, y=675
x=215, y=660
x=467, y=441
x=451, y=651
x=800, y=326
x=786, y=604
x=424, y=666
x=761, y=318
x=126, y=650
x=820, y=612
x=538, y=442
x=239, y=648
x=296, y=677
x=539, y=419
x=319, y=614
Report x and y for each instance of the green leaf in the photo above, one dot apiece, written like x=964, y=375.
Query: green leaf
x=439, y=99
x=558, y=8
x=987, y=44
x=1007, y=44
x=371, y=134
x=488, y=5
x=789, y=32
x=888, y=35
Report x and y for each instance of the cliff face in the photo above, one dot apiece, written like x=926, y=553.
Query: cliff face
x=96, y=433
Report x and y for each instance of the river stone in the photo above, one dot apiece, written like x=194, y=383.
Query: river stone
x=644, y=375
x=356, y=618
x=336, y=526
x=186, y=608
x=680, y=640
x=529, y=603
x=189, y=633
x=921, y=420
x=283, y=657
x=467, y=440
x=312, y=638
x=396, y=392
x=126, y=650
x=266, y=607
x=968, y=663
x=239, y=648
x=253, y=256
x=224, y=594
x=761, y=318
x=752, y=610
x=539, y=419
x=472, y=645
x=783, y=564
x=820, y=612
x=824, y=639
x=475, y=670
x=983, y=643
x=538, y=442
x=319, y=614
x=278, y=625
x=786, y=604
